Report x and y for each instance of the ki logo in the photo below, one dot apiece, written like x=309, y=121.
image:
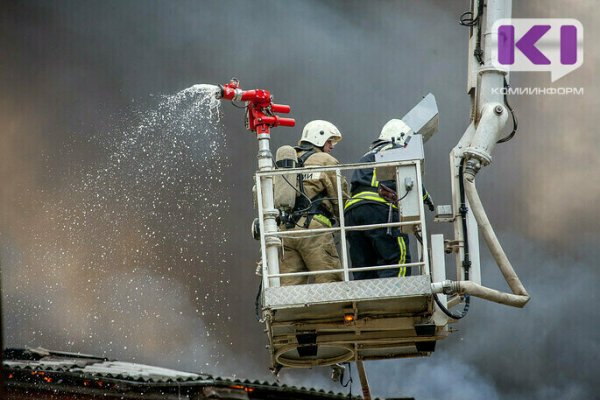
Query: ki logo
x=538, y=44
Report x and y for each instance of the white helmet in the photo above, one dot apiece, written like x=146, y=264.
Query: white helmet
x=318, y=132
x=395, y=130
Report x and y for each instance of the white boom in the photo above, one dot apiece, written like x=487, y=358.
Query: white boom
x=474, y=151
x=324, y=324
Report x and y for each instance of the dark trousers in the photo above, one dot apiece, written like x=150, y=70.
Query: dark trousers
x=376, y=247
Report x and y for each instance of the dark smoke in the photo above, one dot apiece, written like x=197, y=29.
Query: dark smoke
x=106, y=243
x=78, y=78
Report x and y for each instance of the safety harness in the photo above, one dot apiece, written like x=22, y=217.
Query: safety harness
x=305, y=206
x=376, y=192
x=369, y=193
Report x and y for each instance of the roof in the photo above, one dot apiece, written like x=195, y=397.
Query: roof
x=44, y=368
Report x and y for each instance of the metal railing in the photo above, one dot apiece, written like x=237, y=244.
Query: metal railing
x=270, y=279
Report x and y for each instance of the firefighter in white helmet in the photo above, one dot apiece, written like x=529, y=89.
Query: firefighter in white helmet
x=316, y=207
x=370, y=205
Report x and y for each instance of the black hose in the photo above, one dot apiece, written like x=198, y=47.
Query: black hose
x=469, y=19
x=450, y=313
x=463, y=215
x=348, y=384
x=512, y=113
x=478, y=50
x=257, y=304
x=466, y=263
x=419, y=237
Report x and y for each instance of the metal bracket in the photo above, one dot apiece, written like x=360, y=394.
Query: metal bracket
x=444, y=214
x=452, y=246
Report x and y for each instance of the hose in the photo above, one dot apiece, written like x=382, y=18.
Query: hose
x=257, y=302
x=466, y=263
x=512, y=113
x=463, y=214
x=472, y=288
x=520, y=297
x=469, y=19
x=449, y=313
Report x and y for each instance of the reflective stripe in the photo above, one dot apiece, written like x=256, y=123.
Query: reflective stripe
x=425, y=196
x=402, y=246
x=323, y=219
x=374, y=181
x=369, y=196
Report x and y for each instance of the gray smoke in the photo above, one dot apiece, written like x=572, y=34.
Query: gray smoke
x=78, y=83
x=94, y=267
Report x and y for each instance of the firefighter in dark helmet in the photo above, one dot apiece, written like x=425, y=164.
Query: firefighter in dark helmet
x=367, y=206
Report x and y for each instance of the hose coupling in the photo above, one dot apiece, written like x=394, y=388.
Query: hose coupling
x=264, y=154
x=445, y=287
x=472, y=167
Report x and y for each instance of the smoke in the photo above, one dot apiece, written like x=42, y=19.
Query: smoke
x=95, y=250
x=122, y=258
x=500, y=352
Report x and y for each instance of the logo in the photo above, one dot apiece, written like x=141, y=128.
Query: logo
x=538, y=44
x=311, y=176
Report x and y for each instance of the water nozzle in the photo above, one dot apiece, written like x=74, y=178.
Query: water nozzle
x=260, y=110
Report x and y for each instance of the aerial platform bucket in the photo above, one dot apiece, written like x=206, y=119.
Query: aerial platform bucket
x=328, y=323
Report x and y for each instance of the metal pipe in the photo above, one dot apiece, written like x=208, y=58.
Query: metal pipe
x=265, y=163
x=438, y=266
x=493, y=119
x=491, y=114
x=424, y=244
x=490, y=76
x=337, y=229
x=329, y=271
x=362, y=375
x=338, y=184
x=335, y=168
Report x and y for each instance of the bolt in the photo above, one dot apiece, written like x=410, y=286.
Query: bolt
x=498, y=110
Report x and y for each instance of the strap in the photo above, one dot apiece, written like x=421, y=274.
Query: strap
x=302, y=159
x=317, y=206
x=301, y=200
x=285, y=163
x=323, y=219
x=319, y=217
x=366, y=196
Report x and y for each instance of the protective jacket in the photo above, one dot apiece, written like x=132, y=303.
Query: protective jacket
x=364, y=183
x=319, y=198
x=315, y=208
x=366, y=207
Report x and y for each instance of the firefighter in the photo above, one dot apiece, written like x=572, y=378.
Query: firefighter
x=370, y=204
x=316, y=207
